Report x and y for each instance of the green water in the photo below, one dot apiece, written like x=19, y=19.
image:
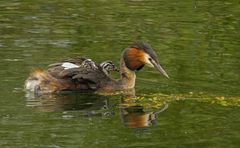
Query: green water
x=197, y=43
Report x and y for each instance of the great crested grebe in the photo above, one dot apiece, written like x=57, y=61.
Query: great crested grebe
x=81, y=74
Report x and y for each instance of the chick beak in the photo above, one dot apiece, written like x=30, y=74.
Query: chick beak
x=116, y=69
x=159, y=68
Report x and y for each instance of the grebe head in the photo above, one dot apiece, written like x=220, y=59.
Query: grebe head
x=139, y=54
x=108, y=66
x=88, y=63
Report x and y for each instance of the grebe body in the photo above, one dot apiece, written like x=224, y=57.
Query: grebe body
x=82, y=74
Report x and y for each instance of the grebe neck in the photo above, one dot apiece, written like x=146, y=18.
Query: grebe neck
x=127, y=76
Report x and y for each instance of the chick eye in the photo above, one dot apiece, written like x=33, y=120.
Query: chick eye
x=149, y=59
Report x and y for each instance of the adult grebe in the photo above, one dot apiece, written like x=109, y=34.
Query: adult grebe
x=81, y=74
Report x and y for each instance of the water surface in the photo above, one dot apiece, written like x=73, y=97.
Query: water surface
x=197, y=43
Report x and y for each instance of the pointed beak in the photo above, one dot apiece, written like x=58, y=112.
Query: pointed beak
x=159, y=68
